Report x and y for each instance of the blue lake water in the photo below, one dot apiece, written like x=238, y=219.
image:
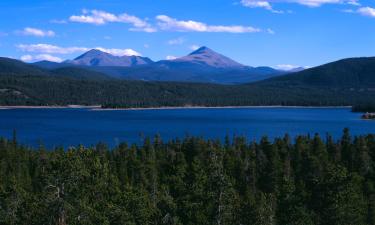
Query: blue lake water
x=67, y=127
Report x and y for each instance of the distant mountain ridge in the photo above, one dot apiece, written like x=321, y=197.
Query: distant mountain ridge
x=203, y=56
x=202, y=65
x=96, y=57
x=355, y=73
x=16, y=68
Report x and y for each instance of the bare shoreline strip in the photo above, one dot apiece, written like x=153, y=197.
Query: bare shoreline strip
x=217, y=107
x=98, y=107
x=51, y=107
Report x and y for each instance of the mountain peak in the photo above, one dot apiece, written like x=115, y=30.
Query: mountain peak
x=208, y=57
x=94, y=50
x=202, y=50
x=96, y=57
x=91, y=53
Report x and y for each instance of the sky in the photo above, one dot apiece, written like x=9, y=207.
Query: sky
x=277, y=33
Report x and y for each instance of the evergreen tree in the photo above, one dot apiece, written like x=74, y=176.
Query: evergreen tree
x=191, y=181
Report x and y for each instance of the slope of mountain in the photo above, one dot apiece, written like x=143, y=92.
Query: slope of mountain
x=96, y=57
x=186, y=72
x=202, y=65
x=207, y=57
x=50, y=65
x=345, y=73
x=79, y=73
x=12, y=67
x=295, y=70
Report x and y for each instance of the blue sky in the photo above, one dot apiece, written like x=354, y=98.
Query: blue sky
x=253, y=32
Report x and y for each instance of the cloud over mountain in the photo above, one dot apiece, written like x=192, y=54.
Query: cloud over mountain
x=41, y=57
x=53, y=49
x=99, y=17
x=50, y=49
x=163, y=22
x=171, y=24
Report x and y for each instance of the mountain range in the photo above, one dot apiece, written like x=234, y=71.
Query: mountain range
x=350, y=72
x=202, y=65
x=96, y=57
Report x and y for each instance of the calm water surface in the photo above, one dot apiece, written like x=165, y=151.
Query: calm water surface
x=66, y=127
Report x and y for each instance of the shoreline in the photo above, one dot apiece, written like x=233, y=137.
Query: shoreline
x=216, y=107
x=98, y=107
x=50, y=107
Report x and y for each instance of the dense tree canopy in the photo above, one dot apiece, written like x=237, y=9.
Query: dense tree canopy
x=306, y=180
x=42, y=90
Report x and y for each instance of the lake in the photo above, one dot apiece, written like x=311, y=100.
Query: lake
x=67, y=127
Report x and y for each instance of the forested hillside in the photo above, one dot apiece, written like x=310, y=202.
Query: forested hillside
x=34, y=90
x=12, y=67
x=352, y=73
x=309, y=181
x=22, y=84
x=363, y=108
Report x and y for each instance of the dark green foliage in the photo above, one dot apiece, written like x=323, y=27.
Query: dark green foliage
x=23, y=84
x=79, y=73
x=12, y=67
x=350, y=73
x=54, y=90
x=364, y=108
x=192, y=181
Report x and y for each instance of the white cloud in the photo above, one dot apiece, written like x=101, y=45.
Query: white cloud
x=26, y=58
x=287, y=67
x=194, y=47
x=364, y=11
x=317, y=3
x=53, y=49
x=119, y=52
x=87, y=19
x=168, y=23
x=50, y=49
x=29, y=31
x=98, y=17
x=259, y=4
x=256, y=4
x=171, y=57
x=367, y=11
x=177, y=41
x=30, y=58
x=310, y=3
